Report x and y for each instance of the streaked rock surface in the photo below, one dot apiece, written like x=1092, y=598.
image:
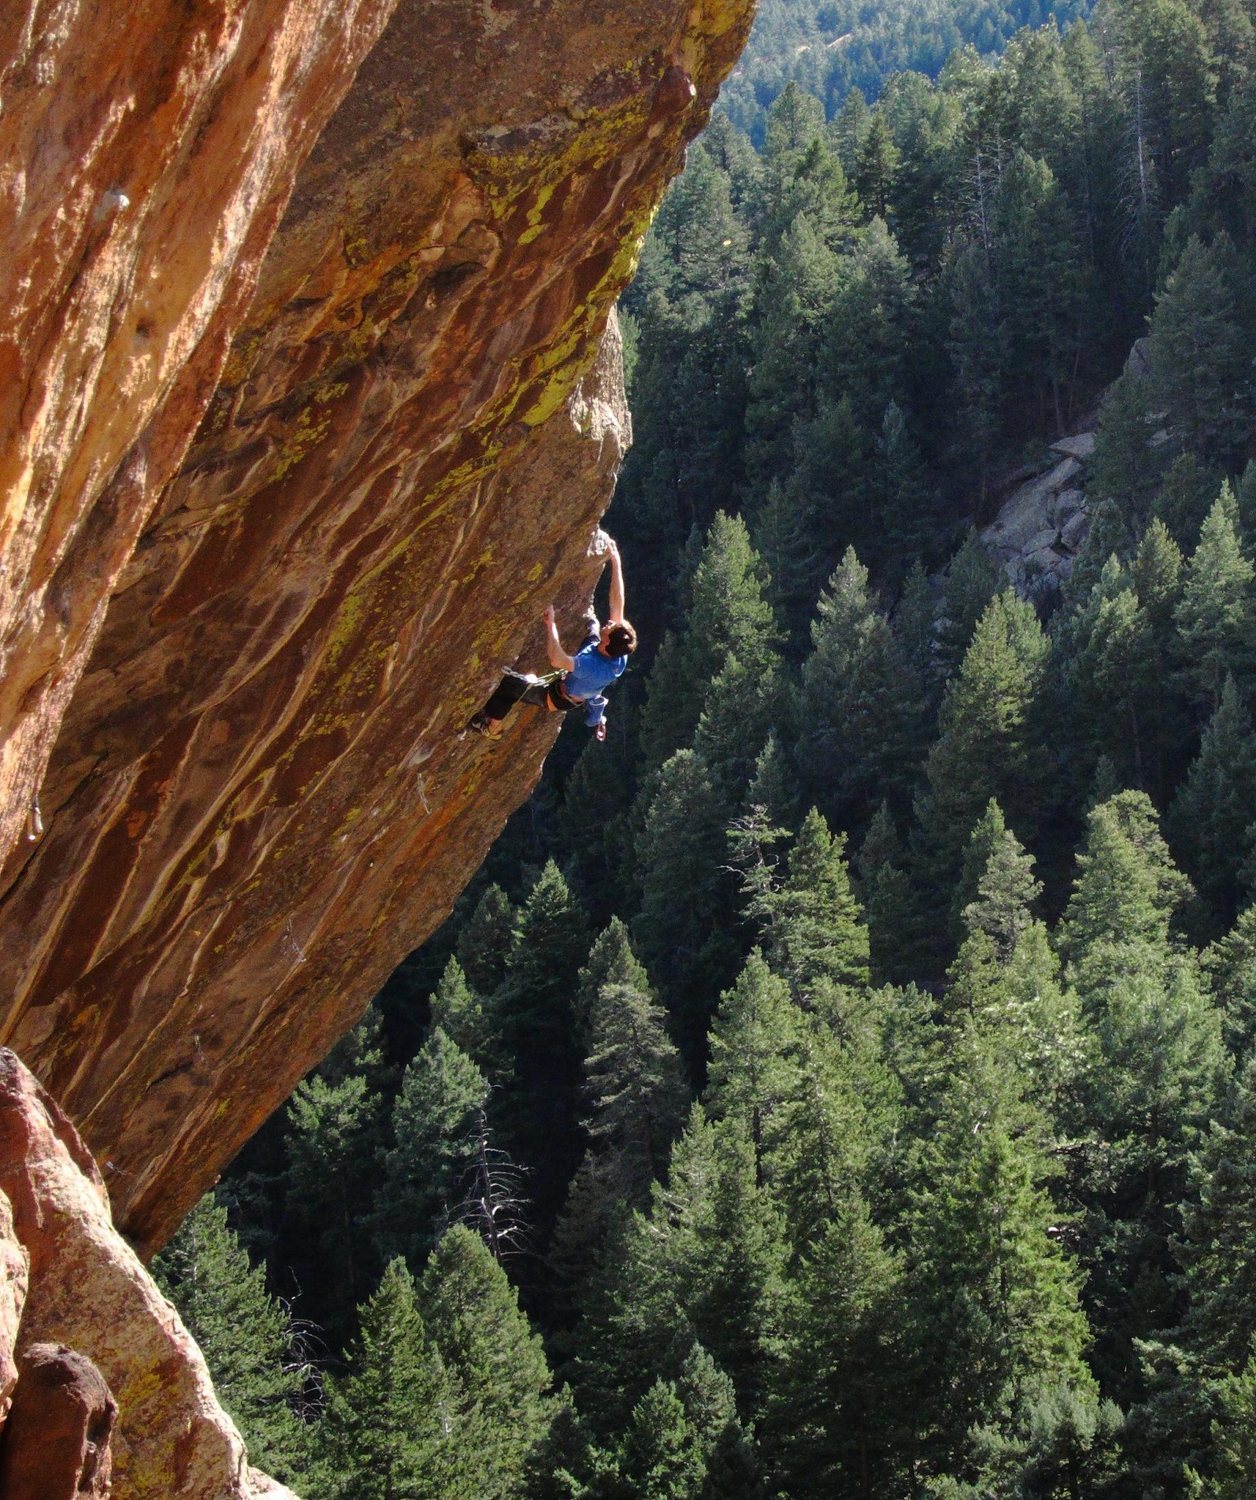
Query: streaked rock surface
x=258, y=802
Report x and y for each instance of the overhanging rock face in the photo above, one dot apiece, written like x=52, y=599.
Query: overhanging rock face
x=258, y=801
x=146, y=154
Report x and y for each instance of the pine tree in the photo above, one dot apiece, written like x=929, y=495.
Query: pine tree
x=537, y=1105
x=636, y=1099
x=994, y=1299
x=1231, y=966
x=1168, y=77
x=862, y=714
x=386, y=1433
x=498, y=1407
x=247, y=1337
x=773, y=787
x=971, y=583
x=685, y=1441
x=484, y=941
x=635, y=1105
x=683, y=930
x=1157, y=1074
x=1125, y=466
x=868, y=326
x=795, y=123
x=1037, y=277
x=743, y=704
x=885, y=893
x=1126, y=893
x=1187, y=491
x=462, y=1015
x=754, y=1038
x=611, y=960
x=819, y=941
x=836, y=1423
x=989, y=743
x=876, y=165
x=661, y=1459
x=1215, y=613
x=728, y=617
x=333, y=1140
x=592, y=821
x=794, y=294
x=849, y=128
x=1117, y=677
x=901, y=500
x=997, y=889
x=1211, y=815
x=1005, y=984
x=915, y=628
x=827, y=490
x=975, y=349
x=727, y=1255
x=1198, y=352
x=426, y=1171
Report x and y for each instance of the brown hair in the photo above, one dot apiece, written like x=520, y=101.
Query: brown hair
x=622, y=640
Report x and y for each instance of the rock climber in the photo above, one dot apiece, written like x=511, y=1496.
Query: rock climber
x=577, y=682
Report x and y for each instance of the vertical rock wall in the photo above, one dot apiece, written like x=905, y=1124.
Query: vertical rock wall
x=146, y=153
x=258, y=801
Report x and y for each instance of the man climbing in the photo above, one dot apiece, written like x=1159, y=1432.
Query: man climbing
x=576, y=683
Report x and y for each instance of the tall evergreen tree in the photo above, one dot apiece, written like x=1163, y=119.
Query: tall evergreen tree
x=1212, y=813
x=499, y=1408
x=1199, y=357
x=684, y=927
x=728, y=616
x=386, y=1433
x=426, y=1171
x=484, y=941
x=247, y=1337
x=635, y=1104
x=1230, y=964
x=862, y=712
x=333, y=1140
x=836, y=1424
x=989, y=745
x=994, y=1297
x=1215, y=614
x=537, y=1105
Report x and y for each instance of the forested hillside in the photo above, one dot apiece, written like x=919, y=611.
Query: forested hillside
x=829, y=47
x=840, y=1082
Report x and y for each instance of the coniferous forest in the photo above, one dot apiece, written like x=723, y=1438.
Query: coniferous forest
x=842, y=1081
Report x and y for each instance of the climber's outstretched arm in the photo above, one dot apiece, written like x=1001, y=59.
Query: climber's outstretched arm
x=558, y=658
x=617, y=585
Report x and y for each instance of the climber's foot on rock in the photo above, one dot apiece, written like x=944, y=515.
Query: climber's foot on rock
x=481, y=724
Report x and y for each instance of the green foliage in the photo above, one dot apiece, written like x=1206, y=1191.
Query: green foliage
x=861, y=707
x=1214, y=615
x=994, y=1296
x=498, y=1404
x=247, y=1337
x=990, y=741
x=635, y=1104
x=386, y=1431
x=538, y=1100
x=333, y=1129
x=1212, y=813
x=427, y=1171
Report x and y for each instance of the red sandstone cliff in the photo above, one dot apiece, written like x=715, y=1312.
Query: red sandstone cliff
x=247, y=646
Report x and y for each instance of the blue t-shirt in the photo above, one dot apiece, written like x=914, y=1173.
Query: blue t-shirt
x=590, y=673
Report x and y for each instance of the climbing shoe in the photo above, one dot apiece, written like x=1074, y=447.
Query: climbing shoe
x=490, y=729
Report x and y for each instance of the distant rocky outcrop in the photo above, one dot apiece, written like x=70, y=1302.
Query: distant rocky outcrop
x=301, y=439
x=1041, y=525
